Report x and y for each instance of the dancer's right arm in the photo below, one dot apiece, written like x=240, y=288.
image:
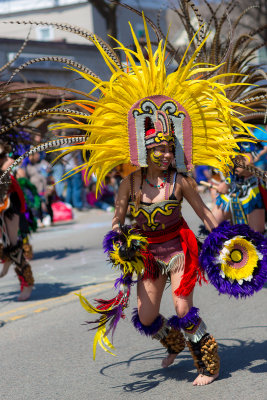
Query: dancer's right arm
x=121, y=205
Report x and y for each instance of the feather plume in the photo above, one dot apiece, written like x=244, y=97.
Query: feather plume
x=109, y=312
x=224, y=99
x=108, y=123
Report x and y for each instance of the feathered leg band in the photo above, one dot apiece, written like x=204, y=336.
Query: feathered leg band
x=172, y=339
x=201, y=344
x=203, y=347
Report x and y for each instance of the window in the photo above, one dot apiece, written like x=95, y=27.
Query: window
x=45, y=33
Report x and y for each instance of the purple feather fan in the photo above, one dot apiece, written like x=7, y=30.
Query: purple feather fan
x=210, y=260
x=113, y=236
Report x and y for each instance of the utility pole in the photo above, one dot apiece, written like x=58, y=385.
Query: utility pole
x=108, y=11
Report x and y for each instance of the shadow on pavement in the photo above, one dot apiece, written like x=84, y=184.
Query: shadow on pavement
x=241, y=356
x=147, y=380
x=43, y=291
x=56, y=254
x=47, y=290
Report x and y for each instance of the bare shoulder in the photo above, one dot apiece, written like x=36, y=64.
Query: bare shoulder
x=125, y=184
x=136, y=174
x=135, y=179
x=186, y=182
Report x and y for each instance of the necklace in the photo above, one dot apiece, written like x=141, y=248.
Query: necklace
x=158, y=186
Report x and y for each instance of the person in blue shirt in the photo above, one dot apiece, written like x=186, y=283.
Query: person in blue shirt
x=260, y=160
x=239, y=196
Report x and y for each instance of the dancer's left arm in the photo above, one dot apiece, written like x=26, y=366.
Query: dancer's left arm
x=196, y=202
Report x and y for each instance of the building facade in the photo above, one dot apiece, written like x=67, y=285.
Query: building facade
x=47, y=40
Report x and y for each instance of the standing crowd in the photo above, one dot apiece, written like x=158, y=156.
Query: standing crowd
x=36, y=195
x=57, y=184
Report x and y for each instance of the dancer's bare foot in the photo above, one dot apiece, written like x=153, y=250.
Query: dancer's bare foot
x=26, y=293
x=202, y=380
x=168, y=360
x=5, y=268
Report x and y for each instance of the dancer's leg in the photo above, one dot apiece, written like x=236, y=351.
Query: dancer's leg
x=149, y=294
x=182, y=305
x=202, y=345
x=26, y=281
x=147, y=319
x=12, y=226
x=15, y=254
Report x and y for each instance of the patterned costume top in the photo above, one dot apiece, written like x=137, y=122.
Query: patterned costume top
x=171, y=242
x=247, y=189
x=154, y=216
x=160, y=217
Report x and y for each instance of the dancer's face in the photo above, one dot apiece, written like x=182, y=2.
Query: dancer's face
x=161, y=156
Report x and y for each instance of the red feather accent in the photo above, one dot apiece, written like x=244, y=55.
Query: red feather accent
x=150, y=264
x=118, y=300
x=193, y=273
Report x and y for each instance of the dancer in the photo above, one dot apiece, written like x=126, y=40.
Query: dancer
x=12, y=207
x=239, y=196
x=156, y=195
x=156, y=122
x=163, y=124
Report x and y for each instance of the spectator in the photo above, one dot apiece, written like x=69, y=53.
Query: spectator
x=260, y=160
x=97, y=202
x=38, y=171
x=74, y=180
x=110, y=189
x=202, y=173
x=57, y=173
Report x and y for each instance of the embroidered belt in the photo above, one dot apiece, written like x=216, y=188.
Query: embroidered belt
x=163, y=235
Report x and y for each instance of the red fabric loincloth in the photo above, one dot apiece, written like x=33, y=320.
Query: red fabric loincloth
x=192, y=271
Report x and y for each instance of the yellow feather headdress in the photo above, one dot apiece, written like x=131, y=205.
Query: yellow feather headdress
x=200, y=115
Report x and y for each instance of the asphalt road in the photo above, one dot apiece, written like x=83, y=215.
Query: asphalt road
x=46, y=350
